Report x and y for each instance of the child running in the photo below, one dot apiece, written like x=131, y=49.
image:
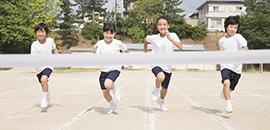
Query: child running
x=163, y=42
x=231, y=73
x=43, y=46
x=109, y=74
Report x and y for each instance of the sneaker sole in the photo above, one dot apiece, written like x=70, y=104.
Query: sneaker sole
x=230, y=112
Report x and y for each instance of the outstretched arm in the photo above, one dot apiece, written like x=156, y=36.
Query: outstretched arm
x=145, y=45
x=95, y=48
x=129, y=67
x=177, y=44
x=55, y=51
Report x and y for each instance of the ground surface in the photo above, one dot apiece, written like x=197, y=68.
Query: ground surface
x=77, y=103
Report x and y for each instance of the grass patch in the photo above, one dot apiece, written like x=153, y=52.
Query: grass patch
x=5, y=68
x=72, y=70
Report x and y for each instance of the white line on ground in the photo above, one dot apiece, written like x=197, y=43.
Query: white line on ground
x=84, y=112
x=203, y=109
x=150, y=115
x=77, y=117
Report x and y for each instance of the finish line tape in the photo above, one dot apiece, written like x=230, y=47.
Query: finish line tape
x=68, y=60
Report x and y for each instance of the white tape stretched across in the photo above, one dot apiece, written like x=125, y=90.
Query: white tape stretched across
x=68, y=60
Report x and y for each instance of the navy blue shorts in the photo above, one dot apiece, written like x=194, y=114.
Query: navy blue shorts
x=167, y=79
x=46, y=71
x=232, y=76
x=112, y=75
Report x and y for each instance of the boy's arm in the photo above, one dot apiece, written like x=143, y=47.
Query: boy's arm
x=55, y=51
x=145, y=45
x=127, y=51
x=129, y=67
x=177, y=44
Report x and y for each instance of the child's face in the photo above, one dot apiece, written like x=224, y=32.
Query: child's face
x=162, y=26
x=41, y=34
x=232, y=29
x=108, y=36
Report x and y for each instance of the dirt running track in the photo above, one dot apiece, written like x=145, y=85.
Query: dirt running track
x=77, y=103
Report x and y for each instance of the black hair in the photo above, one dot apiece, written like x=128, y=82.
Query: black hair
x=233, y=20
x=163, y=17
x=109, y=27
x=41, y=26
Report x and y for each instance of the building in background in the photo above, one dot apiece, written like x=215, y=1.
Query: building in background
x=213, y=13
x=128, y=5
x=193, y=21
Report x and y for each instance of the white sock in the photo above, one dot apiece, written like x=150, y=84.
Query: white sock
x=44, y=94
x=160, y=99
x=228, y=102
x=115, y=89
x=111, y=102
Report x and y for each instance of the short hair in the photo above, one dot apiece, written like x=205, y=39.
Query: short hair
x=232, y=20
x=109, y=27
x=41, y=26
x=163, y=17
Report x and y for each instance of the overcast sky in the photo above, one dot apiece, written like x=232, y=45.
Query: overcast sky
x=189, y=6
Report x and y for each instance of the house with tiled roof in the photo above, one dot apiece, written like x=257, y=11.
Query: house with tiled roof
x=213, y=13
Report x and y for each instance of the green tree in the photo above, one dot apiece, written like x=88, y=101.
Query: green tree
x=136, y=33
x=18, y=19
x=68, y=31
x=87, y=9
x=16, y=32
x=146, y=12
x=255, y=24
x=172, y=11
x=46, y=11
x=199, y=32
x=92, y=31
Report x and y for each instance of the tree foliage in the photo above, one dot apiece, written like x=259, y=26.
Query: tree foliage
x=255, y=24
x=18, y=19
x=87, y=9
x=68, y=31
x=145, y=13
x=46, y=11
x=16, y=34
x=136, y=33
x=92, y=31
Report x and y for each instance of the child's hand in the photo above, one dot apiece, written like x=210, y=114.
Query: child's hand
x=168, y=34
x=95, y=48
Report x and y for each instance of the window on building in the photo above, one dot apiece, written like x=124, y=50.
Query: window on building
x=239, y=8
x=216, y=23
x=215, y=8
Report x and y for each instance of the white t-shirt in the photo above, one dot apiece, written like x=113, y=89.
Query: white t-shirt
x=162, y=45
x=43, y=49
x=233, y=43
x=113, y=48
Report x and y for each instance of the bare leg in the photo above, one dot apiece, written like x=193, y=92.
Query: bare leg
x=163, y=93
x=226, y=89
x=44, y=83
x=107, y=95
x=160, y=78
x=109, y=84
